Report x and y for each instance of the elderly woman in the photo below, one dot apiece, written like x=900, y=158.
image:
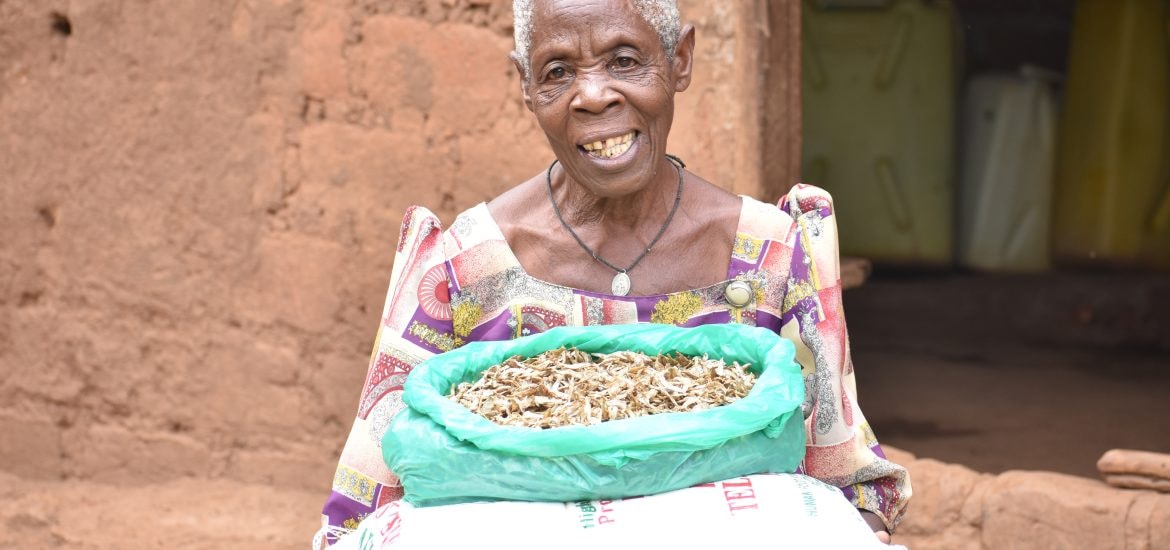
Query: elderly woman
x=618, y=231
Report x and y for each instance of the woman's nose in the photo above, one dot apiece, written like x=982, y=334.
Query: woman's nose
x=594, y=94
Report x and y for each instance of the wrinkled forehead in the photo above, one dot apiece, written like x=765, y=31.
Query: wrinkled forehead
x=557, y=23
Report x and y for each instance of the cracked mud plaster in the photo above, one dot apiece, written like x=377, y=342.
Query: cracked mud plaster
x=200, y=203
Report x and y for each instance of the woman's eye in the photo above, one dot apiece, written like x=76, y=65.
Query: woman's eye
x=625, y=62
x=557, y=73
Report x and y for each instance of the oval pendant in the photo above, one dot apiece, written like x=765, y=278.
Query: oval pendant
x=621, y=284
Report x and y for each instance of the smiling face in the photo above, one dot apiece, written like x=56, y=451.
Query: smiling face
x=602, y=89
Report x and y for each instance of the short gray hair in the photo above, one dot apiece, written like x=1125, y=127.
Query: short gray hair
x=661, y=15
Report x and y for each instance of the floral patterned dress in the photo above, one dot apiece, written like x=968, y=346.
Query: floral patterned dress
x=465, y=284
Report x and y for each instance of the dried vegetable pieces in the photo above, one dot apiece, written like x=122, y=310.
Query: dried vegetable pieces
x=567, y=386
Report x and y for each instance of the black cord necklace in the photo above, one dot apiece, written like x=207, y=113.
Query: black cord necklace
x=621, y=282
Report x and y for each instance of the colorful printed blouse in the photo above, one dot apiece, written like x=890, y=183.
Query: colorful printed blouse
x=465, y=284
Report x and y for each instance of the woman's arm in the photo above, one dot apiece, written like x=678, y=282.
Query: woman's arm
x=841, y=447
x=415, y=324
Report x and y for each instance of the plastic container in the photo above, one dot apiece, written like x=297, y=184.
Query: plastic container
x=1006, y=170
x=879, y=123
x=1112, y=189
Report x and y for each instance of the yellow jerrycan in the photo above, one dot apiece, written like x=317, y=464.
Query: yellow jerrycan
x=879, y=94
x=1112, y=190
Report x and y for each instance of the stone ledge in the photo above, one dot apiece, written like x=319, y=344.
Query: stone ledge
x=955, y=508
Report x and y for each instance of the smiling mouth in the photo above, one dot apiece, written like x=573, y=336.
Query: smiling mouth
x=612, y=147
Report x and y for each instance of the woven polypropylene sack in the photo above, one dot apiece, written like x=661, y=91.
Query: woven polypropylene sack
x=746, y=513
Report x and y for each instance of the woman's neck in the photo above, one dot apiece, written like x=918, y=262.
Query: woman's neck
x=647, y=207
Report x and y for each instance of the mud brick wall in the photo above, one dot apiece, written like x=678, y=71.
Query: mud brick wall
x=199, y=201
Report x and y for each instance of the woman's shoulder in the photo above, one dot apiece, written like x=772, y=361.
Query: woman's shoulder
x=419, y=225
x=764, y=220
x=780, y=221
x=513, y=207
x=519, y=215
x=484, y=223
x=803, y=199
x=422, y=229
x=713, y=203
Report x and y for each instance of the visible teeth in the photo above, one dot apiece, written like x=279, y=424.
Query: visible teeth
x=611, y=147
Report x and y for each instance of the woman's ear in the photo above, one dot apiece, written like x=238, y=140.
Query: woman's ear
x=523, y=80
x=684, y=55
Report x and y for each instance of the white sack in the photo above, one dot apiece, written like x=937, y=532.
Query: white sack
x=756, y=512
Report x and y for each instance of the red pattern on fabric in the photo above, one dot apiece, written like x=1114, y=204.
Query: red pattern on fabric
x=389, y=494
x=469, y=264
x=537, y=319
x=434, y=297
x=830, y=299
x=811, y=434
x=428, y=239
x=887, y=488
x=405, y=227
x=809, y=198
x=384, y=367
x=607, y=311
x=846, y=408
x=777, y=258
x=831, y=460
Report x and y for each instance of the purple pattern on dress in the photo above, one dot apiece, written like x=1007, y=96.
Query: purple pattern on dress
x=421, y=318
x=849, y=493
x=493, y=330
x=339, y=508
x=721, y=317
x=739, y=266
x=800, y=263
x=769, y=321
x=453, y=288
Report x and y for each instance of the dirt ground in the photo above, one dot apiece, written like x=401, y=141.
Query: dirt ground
x=182, y=514
x=999, y=373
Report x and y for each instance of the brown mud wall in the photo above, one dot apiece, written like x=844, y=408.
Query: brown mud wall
x=199, y=201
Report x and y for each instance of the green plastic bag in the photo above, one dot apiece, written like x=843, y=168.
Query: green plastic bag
x=445, y=454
